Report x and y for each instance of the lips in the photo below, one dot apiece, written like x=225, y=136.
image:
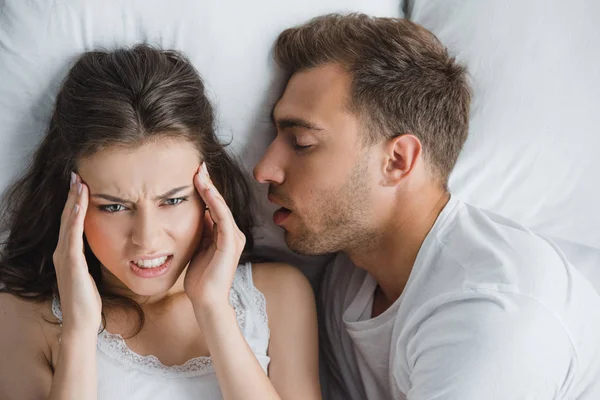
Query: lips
x=275, y=200
x=281, y=215
x=151, y=271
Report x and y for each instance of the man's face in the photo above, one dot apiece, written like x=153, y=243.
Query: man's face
x=318, y=167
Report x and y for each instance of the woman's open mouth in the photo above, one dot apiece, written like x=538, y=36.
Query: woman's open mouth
x=151, y=268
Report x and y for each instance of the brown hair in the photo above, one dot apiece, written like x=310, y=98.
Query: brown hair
x=403, y=80
x=120, y=98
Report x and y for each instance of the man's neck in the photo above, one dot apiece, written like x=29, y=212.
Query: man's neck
x=393, y=251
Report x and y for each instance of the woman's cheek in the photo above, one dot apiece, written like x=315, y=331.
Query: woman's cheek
x=100, y=230
x=188, y=222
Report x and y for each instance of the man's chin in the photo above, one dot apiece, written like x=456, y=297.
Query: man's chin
x=306, y=245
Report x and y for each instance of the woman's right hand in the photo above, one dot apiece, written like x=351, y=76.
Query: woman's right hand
x=79, y=297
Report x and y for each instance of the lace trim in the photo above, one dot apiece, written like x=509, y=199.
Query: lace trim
x=258, y=299
x=114, y=346
x=56, y=310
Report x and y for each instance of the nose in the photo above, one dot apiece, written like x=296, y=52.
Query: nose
x=270, y=169
x=146, y=231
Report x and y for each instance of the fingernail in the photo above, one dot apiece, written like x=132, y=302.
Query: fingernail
x=205, y=169
x=201, y=176
x=73, y=178
x=79, y=187
x=76, y=208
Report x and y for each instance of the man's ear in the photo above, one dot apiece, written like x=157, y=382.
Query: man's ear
x=401, y=155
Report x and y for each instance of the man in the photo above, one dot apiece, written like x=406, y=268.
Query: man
x=429, y=297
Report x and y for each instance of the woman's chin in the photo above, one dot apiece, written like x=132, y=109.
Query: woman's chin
x=156, y=288
x=147, y=282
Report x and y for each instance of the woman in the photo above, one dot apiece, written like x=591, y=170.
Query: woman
x=120, y=270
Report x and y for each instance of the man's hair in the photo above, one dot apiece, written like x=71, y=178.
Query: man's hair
x=403, y=80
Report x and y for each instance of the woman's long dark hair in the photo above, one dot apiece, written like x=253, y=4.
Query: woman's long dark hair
x=120, y=98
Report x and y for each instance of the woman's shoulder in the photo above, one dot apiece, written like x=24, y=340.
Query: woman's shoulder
x=278, y=277
x=293, y=335
x=24, y=311
x=285, y=288
x=27, y=324
x=29, y=346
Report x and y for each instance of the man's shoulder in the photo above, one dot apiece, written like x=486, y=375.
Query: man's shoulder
x=493, y=249
x=481, y=257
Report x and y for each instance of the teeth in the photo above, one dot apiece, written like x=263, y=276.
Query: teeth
x=156, y=262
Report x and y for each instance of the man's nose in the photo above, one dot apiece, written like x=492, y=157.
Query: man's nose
x=270, y=168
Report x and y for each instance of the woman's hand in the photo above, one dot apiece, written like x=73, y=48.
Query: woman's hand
x=210, y=273
x=207, y=283
x=80, y=301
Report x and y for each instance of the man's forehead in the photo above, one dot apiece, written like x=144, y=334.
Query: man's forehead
x=323, y=88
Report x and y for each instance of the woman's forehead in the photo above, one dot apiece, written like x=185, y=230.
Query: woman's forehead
x=151, y=164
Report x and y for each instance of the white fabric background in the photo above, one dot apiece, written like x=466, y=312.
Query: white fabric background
x=228, y=41
x=532, y=154
x=532, y=151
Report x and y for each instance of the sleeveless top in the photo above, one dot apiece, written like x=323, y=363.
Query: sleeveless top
x=124, y=374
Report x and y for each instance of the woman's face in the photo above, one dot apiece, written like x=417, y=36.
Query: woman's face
x=145, y=217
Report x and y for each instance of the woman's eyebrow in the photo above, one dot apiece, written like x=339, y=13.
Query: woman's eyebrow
x=164, y=196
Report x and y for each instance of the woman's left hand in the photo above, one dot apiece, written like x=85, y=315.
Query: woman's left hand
x=210, y=274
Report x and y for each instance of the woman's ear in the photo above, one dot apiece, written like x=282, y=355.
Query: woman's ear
x=401, y=155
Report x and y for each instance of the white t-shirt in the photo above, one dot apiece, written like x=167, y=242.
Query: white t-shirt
x=490, y=311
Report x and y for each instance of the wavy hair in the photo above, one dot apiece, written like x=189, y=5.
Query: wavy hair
x=123, y=98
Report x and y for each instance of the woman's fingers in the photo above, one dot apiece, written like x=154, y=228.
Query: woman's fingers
x=73, y=216
x=219, y=211
x=208, y=238
x=79, y=295
x=209, y=225
x=69, y=208
x=79, y=212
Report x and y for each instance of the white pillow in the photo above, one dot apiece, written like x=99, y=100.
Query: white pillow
x=531, y=154
x=534, y=145
x=228, y=41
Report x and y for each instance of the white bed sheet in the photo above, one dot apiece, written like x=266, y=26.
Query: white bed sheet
x=532, y=150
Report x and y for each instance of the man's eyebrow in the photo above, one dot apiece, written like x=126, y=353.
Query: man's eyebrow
x=164, y=196
x=285, y=123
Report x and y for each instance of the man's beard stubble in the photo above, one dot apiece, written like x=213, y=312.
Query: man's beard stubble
x=338, y=221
